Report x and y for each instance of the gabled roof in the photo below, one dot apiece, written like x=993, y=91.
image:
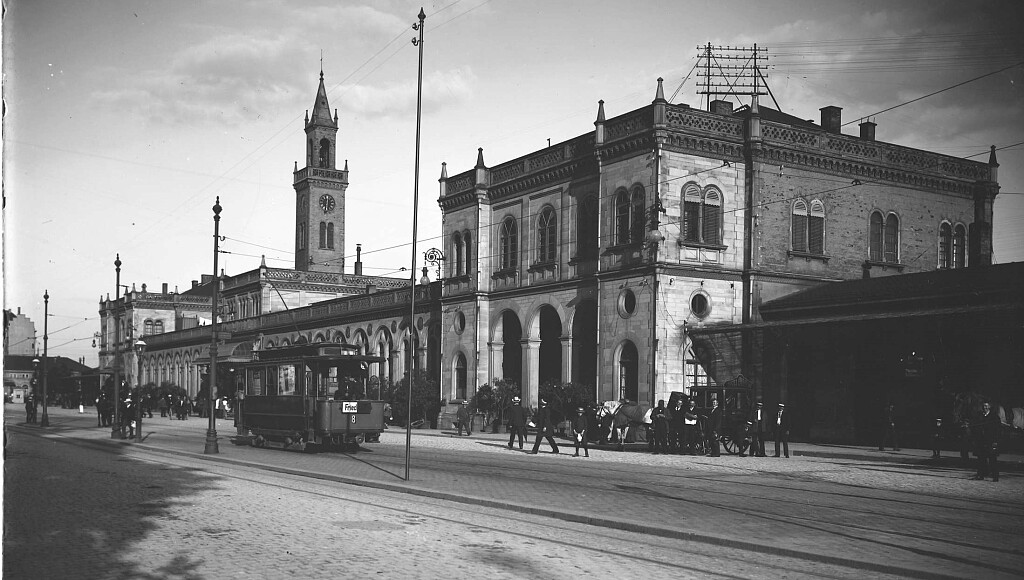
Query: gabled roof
x=987, y=287
x=17, y=362
x=775, y=116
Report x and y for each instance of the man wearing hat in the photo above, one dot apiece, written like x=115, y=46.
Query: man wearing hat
x=545, y=428
x=781, y=428
x=462, y=415
x=579, y=432
x=516, y=422
x=715, y=427
x=757, y=431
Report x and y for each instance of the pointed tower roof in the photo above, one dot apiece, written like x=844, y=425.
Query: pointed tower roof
x=321, y=108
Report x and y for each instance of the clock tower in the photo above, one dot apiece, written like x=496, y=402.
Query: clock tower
x=320, y=194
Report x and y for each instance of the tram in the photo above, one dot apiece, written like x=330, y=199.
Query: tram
x=310, y=394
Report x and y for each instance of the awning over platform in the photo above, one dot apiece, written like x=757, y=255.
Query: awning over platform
x=230, y=352
x=720, y=351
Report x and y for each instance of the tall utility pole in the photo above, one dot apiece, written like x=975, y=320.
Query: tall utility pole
x=415, y=217
x=732, y=70
x=211, y=430
x=115, y=430
x=45, y=421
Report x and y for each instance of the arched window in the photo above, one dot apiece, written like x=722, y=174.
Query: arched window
x=712, y=217
x=323, y=235
x=586, y=228
x=691, y=213
x=325, y=153
x=892, y=239
x=158, y=327
x=960, y=246
x=301, y=234
x=637, y=229
x=469, y=252
x=945, y=246
x=800, y=226
x=622, y=218
x=509, y=245
x=547, y=233
x=816, y=228
x=147, y=328
x=460, y=377
x=457, y=252
x=875, y=237
x=330, y=236
x=702, y=215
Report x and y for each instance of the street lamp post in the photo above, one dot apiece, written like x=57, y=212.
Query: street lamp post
x=45, y=421
x=115, y=429
x=140, y=349
x=211, y=430
x=30, y=416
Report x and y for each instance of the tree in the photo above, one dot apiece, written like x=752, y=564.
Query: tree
x=565, y=398
x=426, y=399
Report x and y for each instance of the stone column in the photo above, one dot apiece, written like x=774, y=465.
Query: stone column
x=496, y=359
x=566, y=359
x=531, y=370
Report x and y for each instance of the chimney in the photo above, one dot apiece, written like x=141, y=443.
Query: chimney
x=370, y=288
x=164, y=290
x=195, y=284
x=867, y=131
x=359, y=260
x=831, y=119
x=721, y=107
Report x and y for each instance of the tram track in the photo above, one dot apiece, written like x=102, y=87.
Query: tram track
x=330, y=467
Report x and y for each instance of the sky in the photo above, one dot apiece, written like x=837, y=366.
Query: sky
x=124, y=121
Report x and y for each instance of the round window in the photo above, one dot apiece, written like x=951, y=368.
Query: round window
x=700, y=306
x=627, y=303
x=460, y=322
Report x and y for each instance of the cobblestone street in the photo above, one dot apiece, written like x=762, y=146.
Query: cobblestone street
x=80, y=505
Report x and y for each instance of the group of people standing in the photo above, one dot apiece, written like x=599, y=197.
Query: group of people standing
x=980, y=435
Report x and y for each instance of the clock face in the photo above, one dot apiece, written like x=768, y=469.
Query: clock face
x=326, y=203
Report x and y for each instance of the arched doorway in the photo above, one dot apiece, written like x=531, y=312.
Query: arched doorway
x=629, y=385
x=584, y=344
x=512, y=349
x=550, y=368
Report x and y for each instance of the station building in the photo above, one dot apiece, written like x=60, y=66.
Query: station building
x=604, y=260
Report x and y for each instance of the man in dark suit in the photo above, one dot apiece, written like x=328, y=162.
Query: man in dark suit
x=781, y=428
x=545, y=428
x=579, y=432
x=464, y=419
x=986, y=431
x=889, y=428
x=758, y=430
x=516, y=422
x=715, y=428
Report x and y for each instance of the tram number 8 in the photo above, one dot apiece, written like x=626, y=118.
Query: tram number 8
x=352, y=419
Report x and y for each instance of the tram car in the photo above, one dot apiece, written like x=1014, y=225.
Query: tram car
x=305, y=395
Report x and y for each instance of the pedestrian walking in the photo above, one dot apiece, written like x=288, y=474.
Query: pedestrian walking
x=545, y=428
x=937, y=440
x=463, y=417
x=516, y=422
x=889, y=428
x=986, y=431
x=162, y=404
x=781, y=429
x=715, y=427
x=659, y=420
x=758, y=430
x=30, y=409
x=579, y=432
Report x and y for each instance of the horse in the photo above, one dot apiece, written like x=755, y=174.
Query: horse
x=967, y=406
x=620, y=416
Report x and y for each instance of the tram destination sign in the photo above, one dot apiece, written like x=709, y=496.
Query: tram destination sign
x=359, y=407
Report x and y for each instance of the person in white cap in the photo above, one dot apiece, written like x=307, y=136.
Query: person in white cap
x=781, y=427
x=516, y=422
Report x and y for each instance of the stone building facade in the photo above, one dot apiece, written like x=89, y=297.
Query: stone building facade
x=588, y=261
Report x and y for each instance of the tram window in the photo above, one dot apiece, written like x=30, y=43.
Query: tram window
x=330, y=384
x=271, y=381
x=286, y=382
x=255, y=382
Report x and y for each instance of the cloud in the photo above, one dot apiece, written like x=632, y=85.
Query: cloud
x=441, y=90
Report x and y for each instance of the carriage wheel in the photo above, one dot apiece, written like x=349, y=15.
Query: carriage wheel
x=731, y=446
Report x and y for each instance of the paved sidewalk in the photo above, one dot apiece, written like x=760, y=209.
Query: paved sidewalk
x=888, y=512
